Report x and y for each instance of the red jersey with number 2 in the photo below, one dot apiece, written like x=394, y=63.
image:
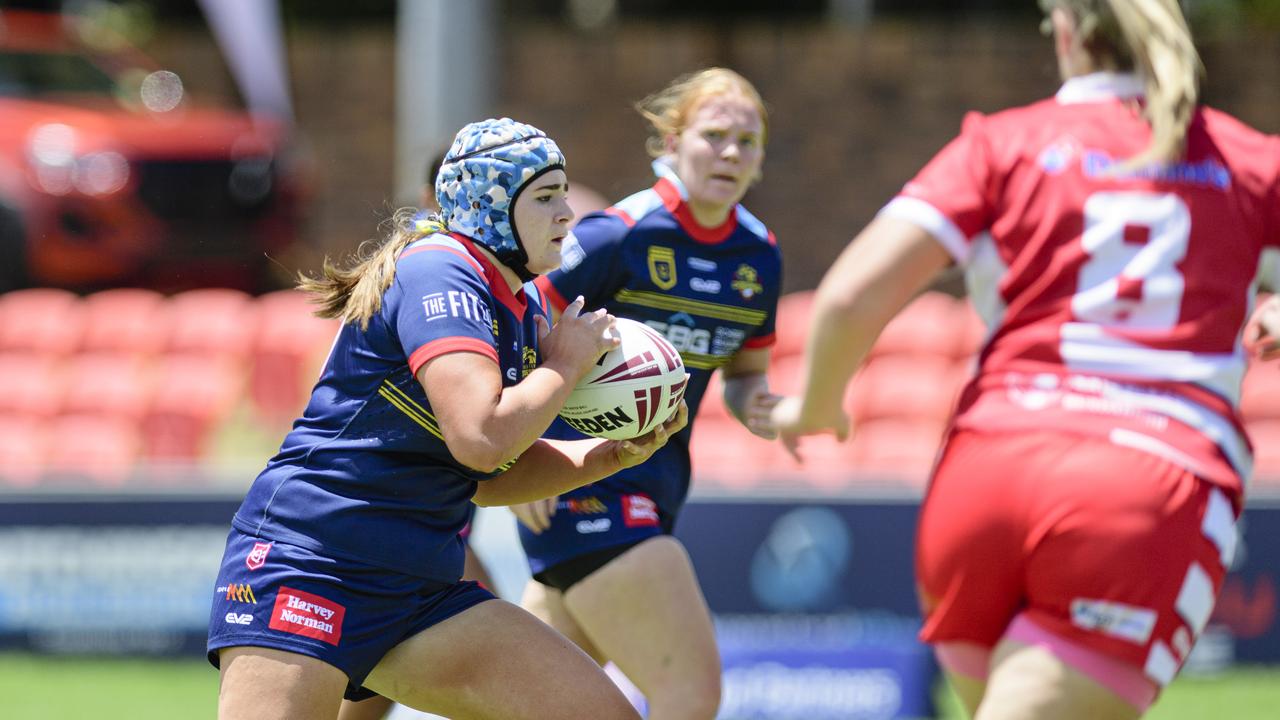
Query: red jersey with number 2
x=1114, y=295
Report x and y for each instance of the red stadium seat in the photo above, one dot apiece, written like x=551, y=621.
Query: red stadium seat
x=792, y=323
x=107, y=384
x=727, y=456
x=906, y=386
x=712, y=405
x=30, y=384
x=785, y=373
x=1260, y=393
x=98, y=448
x=194, y=394
x=897, y=450
x=24, y=441
x=41, y=320
x=289, y=347
x=125, y=320
x=930, y=325
x=217, y=321
x=829, y=465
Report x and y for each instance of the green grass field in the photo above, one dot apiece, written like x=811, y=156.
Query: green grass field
x=42, y=688
x=1240, y=694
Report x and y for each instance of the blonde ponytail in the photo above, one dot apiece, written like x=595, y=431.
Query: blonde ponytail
x=1150, y=37
x=354, y=293
x=1157, y=34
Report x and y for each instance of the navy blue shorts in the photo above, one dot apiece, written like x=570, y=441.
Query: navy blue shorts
x=590, y=520
x=346, y=613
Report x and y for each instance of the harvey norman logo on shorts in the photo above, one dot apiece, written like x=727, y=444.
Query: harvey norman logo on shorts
x=639, y=511
x=302, y=613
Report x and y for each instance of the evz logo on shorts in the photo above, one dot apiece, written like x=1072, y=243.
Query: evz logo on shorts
x=302, y=613
x=599, y=525
x=456, y=303
x=258, y=555
x=639, y=511
x=239, y=619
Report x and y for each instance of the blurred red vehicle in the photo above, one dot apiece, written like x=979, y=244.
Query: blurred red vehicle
x=109, y=176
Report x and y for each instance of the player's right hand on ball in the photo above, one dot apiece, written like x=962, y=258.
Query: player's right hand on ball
x=578, y=339
x=633, y=452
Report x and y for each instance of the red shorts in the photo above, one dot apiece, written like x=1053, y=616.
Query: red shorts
x=1111, y=548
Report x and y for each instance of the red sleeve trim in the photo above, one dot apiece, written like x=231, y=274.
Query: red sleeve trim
x=444, y=346
x=773, y=239
x=550, y=292
x=621, y=215
x=464, y=256
x=761, y=341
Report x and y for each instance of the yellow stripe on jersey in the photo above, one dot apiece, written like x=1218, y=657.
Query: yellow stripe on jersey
x=419, y=414
x=693, y=307
x=411, y=408
x=704, y=362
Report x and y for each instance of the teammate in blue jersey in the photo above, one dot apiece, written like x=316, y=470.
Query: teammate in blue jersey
x=341, y=573
x=685, y=258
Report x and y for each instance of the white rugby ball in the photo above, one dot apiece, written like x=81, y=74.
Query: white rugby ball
x=632, y=389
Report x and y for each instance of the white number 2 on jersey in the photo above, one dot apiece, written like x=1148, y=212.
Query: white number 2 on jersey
x=1134, y=241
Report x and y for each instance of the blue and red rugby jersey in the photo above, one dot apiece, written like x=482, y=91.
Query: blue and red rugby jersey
x=710, y=291
x=365, y=473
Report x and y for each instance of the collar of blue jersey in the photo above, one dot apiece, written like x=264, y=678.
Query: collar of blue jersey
x=664, y=168
x=678, y=206
x=1100, y=86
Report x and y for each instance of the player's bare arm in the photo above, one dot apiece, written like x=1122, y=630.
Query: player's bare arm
x=485, y=424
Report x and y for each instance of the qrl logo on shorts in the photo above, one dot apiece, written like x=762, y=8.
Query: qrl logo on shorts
x=639, y=511
x=257, y=556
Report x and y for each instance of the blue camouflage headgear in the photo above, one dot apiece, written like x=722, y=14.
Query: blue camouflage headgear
x=490, y=162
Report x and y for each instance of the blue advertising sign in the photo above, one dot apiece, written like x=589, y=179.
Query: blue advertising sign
x=815, y=608
x=91, y=574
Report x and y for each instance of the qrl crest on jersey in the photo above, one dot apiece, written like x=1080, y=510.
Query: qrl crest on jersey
x=257, y=557
x=662, y=267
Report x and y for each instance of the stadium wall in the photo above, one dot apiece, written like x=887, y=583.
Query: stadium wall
x=854, y=113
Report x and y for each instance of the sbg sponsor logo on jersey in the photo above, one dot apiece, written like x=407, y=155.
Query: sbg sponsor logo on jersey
x=609, y=420
x=257, y=556
x=302, y=613
x=599, y=525
x=639, y=511
x=457, y=303
x=727, y=341
x=679, y=331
